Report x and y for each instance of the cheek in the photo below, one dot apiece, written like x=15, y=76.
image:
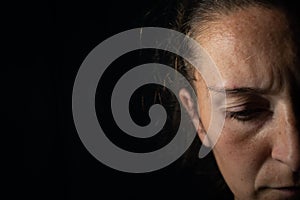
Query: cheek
x=239, y=159
x=205, y=112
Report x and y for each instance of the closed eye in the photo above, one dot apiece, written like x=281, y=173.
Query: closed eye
x=248, y=114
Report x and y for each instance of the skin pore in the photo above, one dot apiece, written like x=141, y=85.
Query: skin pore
x=258, y=151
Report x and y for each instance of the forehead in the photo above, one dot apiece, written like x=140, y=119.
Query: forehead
x=251, y=47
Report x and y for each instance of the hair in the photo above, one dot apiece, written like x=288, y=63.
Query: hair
x=193, y=18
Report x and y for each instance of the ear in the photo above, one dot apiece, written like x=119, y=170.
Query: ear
x=192, y=111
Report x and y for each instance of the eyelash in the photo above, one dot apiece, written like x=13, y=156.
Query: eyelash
x=247, y=114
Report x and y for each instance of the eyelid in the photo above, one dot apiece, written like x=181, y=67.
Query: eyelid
x=251, y=101
x=242, y=107
x=252, y=114
x=236, y=108
x=247, y=107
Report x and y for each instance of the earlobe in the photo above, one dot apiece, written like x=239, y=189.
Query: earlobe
x=191, y=108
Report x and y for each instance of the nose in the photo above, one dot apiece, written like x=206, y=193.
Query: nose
x=286, y=146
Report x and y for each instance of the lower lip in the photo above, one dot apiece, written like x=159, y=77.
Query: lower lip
x=292, y=191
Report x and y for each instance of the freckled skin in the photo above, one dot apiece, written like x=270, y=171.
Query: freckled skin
x=253, y=48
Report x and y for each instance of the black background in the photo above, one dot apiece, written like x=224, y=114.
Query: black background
x=58, y=35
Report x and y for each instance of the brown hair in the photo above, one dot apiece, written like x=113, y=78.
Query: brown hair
x=193, y=17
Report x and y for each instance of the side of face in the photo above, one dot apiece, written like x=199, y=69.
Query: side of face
x=258, y=151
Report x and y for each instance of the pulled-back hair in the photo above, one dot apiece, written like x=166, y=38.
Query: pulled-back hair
x=193, y=17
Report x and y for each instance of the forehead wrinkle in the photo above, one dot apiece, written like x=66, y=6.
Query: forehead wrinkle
x=268, y=40
x=240, y=91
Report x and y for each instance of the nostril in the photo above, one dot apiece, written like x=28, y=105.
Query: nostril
x=286, y=149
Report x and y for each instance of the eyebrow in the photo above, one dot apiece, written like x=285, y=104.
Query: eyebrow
x=239, y=91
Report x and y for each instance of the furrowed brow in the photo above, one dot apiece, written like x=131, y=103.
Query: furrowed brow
x=239, y=91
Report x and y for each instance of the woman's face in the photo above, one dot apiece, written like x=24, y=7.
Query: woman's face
x=258, y=151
